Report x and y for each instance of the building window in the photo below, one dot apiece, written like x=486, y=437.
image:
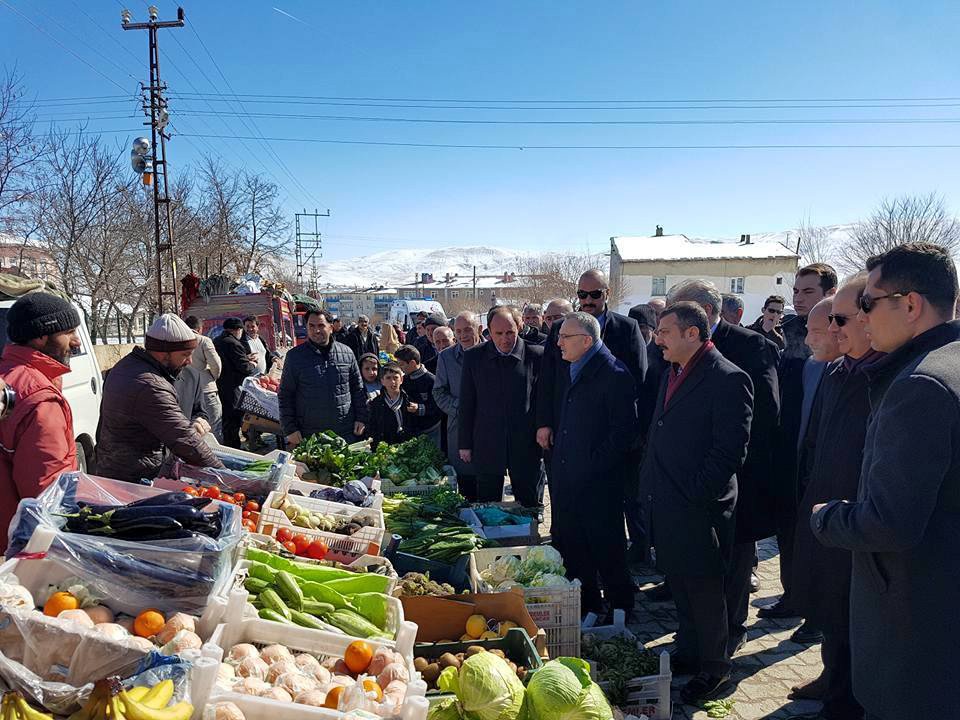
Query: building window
x=454, y=294
x=409, y=294
x=779, y=281
x=736, y=285
x=659, y=286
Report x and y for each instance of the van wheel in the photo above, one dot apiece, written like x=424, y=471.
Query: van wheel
x=81, y=458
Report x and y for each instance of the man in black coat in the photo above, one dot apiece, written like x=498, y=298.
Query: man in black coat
x=532, y=331
x=361, y=339
x=830, y=458
x=237, y=365
x=756, y=481
x=904, y=525
x=497, y=410
x=597, y=423
x=621, y=336
x=695, y=448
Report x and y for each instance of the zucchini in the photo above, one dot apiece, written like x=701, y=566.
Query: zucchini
x=271, y=601
x=308, y=621
x=318, y=609
x=288, y=589
x=274, y=616
x=255, y=586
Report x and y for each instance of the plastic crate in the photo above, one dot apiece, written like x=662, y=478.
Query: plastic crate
x=281, y=457
x=516, y=645
x=457, y=575
x=248, y=403
x=317, y=643
x=556, y=610
x=524, y=533
x=367, y=540
x=307, y=487
x=449, y=478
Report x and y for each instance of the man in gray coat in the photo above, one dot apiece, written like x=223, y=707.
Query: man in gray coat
x=446, y=393
x=904, y=526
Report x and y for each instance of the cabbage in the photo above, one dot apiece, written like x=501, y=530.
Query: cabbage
x=549, y=580
x=445, y=710
x=486, y=687
x=540, y=559
x=562, y=690
x=501, y=570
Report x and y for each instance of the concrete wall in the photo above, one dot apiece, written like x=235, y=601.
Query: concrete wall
x=109, y=355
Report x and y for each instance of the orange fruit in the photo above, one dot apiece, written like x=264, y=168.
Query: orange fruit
x=58, y=602
x=358, y=656
x=333, y=697
x=370, y=685
x=148, y=623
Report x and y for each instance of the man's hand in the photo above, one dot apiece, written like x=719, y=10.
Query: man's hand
x=358, y=428
x=768, y=324
x=294, y=439
x=817, y=508
x=412, y=408
x=466, y=455
x=545, y=437
x=201, y=426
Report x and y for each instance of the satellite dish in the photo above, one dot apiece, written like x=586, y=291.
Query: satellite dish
x=141, y=146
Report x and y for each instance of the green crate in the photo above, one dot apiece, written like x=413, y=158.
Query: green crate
x=516, y=645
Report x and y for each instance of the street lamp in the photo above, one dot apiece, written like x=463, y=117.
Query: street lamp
x=142, y=161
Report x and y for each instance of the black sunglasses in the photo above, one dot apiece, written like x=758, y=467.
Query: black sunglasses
x=595, y=294
x=867, y=303
x=840, y=320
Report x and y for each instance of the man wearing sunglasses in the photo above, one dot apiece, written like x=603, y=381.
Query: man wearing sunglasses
x=768, y=324
x=903, y=526
x=621, y=336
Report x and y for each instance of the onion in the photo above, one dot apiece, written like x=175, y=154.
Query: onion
x=392, y=672
x=241, y=652
x=227, y=711
x=381, y=658
x=175, y=624
x=322, y=675
x=296, y=683
x=183, y=640
x=251, y=686
x=307, y=663
x=226, y=674
x=142, y=644
x=253, y=667
x=277, y=693
x=314, y=697
x=101, y=614
x=112, y=631
x=273, y=653
x=76, y=616
x=279, y=668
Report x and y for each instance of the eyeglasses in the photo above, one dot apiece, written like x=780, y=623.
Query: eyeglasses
x=551, y=318
x=595, y=294
x=567, y=337
x=773, y=310
x=867, y=303
x=840, y=320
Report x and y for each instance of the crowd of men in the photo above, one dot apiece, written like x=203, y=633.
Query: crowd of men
x=834, y=427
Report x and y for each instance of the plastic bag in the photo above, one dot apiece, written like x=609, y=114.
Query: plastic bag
x=229, y=481
x=170, y=575
x=268, y=399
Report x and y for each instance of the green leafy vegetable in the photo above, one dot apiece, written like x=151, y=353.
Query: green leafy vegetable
x=562, y=690
x=486, y=688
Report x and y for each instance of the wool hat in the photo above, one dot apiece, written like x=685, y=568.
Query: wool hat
x=37, y=314
x=169, y=333
x=644, y=315
x=233, y=324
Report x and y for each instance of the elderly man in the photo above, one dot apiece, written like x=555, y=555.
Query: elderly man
x=597, y=422
x=443, y=338
x=446, y=393
x=532, y=331
x=732, y=308
x=37, y=436
x=831, y=454
x=697, y=445
x=757, y=357
x=903, y=527
x=555, y=310
x=140, y=415
x=237, y=362
x=361, y=338
x=321, y=388
x=496, y=419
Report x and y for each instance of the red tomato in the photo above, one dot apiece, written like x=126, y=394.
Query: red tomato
x=211, y=492
x=224, y=497
x=255, y=516
x=239, y=498
x=252, y=506
x=284, y=534
x=191, y=490
x=290, y=547
x=302, y=542
x=250, y=526
x=245, y=514
x=317, y=550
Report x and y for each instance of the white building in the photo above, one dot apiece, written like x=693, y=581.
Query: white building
x=645, y=267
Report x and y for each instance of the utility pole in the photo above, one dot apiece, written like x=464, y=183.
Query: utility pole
x=156, y=173
x=308, y=245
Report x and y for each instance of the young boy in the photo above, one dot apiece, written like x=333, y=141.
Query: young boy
x=423, y=414
x=388, y=414
x=370, y=372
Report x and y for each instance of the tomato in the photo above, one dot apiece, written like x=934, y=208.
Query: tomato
x=252, y=506
x=302, y=542
x=284, y=534
x=239, y=498
x=255, y=516
x=290, y=547
x=224, y=497
x=211, y=492
x=249, y=526
x=191, y=490
x=317, y=550
x=245, y=515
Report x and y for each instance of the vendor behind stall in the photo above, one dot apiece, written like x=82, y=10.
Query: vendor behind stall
x=140, y=415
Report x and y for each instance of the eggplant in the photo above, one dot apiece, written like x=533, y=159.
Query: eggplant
x=177, y=497
x=182, y=513
x=140, y=528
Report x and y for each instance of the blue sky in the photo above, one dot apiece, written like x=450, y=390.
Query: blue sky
x=385, y=197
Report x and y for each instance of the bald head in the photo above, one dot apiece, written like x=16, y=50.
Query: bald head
x=820, y=340
x=466, y=329
x=592, y=292
x=556, y=309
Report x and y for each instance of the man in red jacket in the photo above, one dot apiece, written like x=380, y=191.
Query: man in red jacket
x=36, y=439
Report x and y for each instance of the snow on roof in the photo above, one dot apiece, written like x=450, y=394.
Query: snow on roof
x=680, y=247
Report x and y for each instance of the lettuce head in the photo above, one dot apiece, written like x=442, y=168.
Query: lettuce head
x=486, y=688
x=562, y=690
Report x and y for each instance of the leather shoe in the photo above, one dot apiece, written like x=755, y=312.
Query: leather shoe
x=754, y=583
x=777, y=610
x=806, y=635
x=658, y=593
x=702, y=687
x=813, y=690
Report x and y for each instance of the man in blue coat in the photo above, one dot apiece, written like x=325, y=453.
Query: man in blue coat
x=596, y=414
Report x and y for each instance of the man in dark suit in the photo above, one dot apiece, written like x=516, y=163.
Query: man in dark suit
x=237, y=364
x=597, y=422
x=755, y=519
x=497, y=410
x=621, y=335
x=696, y=446
x=532, y=331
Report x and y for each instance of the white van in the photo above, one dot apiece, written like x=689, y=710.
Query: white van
x=82, y=387
x=405, y=311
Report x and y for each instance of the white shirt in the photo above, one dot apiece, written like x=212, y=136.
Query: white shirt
x=260, y=350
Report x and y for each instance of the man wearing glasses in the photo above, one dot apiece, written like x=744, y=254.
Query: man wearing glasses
x=903, y=527
x=768, y=324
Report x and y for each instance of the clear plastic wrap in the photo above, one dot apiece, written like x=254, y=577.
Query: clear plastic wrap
x=170, y=575
x=228, y=480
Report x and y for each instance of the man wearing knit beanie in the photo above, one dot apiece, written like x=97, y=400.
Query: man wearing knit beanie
x=140, y=415
x=36, y=439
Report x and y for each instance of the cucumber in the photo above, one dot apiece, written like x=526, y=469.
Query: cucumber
x=274, y=616
x=261, y=571
x=287, y=588
x=318, y=609
x=307, y=621
x=255, y=586
x=271, y=601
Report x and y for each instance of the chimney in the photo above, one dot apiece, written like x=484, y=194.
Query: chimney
x=743, y=239
x=659, y=231
x=747, y=241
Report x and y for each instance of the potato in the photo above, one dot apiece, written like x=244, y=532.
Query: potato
x=431, y=672
x=419, y=663
x=449, y=660
x=474, y=649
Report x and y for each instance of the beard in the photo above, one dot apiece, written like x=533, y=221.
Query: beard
x=58, y=353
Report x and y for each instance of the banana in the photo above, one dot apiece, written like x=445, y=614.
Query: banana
x=158, y=696
x=138, y=711
x=113, y=710
x=139, y=692
x=28, y=712
x=6, y=708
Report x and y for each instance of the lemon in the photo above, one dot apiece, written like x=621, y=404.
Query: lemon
x=504, y=626
x=476, y=626
x=467, y=637
x=489, y=635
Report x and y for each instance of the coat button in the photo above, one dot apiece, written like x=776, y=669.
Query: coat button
x=659, y=423
x=649, y=498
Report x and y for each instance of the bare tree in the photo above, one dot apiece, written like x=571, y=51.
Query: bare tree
x=549, y=276
x=19, y=152
x=815, y=244
x=905, y=219
x=266, y=228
